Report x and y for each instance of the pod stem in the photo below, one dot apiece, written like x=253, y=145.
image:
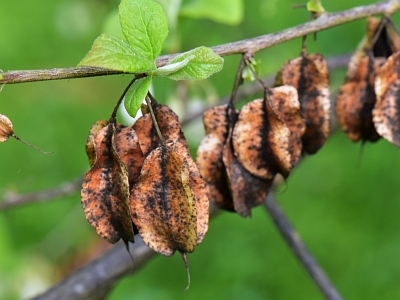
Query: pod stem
x=30, y=145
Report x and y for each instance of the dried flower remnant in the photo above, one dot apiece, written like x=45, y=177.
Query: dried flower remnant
x=209, y=157
x=105, y=191
x=386, y=115
x=309, y=75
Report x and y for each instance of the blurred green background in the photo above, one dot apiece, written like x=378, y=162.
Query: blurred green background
x=348, y=215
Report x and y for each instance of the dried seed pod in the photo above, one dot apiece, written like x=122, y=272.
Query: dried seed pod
x=6, y=128
x=285, y=103
x=209, y=157
x=94, y=130
x=356, y=99
x=387, y=89
x=163, y=204
x=105, y=191
x=168, y=123
x=247, y=190
x=198, y=186
x=128, y=148
x=260, y=140
x=309, y=75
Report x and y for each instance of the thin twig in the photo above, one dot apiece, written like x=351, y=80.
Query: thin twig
x=252, y=45
x=300, y=250
x=11, y=199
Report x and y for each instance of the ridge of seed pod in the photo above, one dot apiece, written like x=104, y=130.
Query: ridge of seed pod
x=209, y=157
x=105, y=191
x=310, y=76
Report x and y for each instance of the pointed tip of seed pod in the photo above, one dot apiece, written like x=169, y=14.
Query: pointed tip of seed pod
x=185, y=260
x=126, y=242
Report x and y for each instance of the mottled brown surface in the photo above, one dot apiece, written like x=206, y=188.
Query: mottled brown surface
x=163, y=205
x=198, y=186
x=105, y=191
x=6, y=128
x=94, y=130
x=169, y=125
x=209, y=157
x=309, y=75
x=285, y=103
x=260, y=140
x=126, y=143
x=386, y=112
x=247, y=190
x=356, y=99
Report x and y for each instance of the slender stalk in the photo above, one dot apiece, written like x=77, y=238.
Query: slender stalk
x=153, y=117
x=252, y=45
x=295, y=243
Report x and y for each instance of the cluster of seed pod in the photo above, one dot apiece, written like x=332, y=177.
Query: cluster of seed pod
x=244, y=150
x=141, y=183
x=367, y=104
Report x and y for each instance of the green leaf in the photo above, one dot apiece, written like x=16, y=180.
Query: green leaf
x=203, y=64
x=223, y=11
x=135, y=95
x=111, y=53
x=315, y=6
x=1, y=76
x=144, y=25
x=172, y=68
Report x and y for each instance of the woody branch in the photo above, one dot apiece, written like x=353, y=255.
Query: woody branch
x=252, y=45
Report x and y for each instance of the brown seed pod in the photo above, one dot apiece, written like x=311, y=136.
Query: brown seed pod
x=260, y=140
x=168, y=123
x=198, y=186
x=105, y=191
x=247, y=190
x=285, y=103
x=309, y=75
x=6, y=128
x=387, y=89
x=209, y=157
x=94, y=130
x=128, y=148
x=356, y=99
x=163, y=204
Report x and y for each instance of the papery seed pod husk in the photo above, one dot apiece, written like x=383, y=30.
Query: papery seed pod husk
x=247, y=190
x=386, y=115
x=260, y=140
x=163, y=203
x=168, y=123
x=128, y=148
x=198, y=186
x=6, y=128
x=105, y=191
x=285, y=103
x=355, y=100
x=309, y=75
x=94, y=130
x=209, y=157
x=356, y=97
